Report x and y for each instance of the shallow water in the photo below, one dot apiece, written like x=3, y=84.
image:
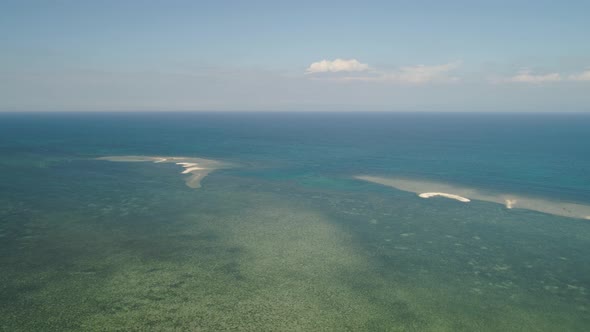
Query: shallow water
x=288, y=239
x=428, y=189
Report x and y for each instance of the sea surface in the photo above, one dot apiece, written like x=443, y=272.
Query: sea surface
x=286, y=237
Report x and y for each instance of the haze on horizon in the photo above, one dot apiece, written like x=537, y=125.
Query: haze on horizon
x=305, y=55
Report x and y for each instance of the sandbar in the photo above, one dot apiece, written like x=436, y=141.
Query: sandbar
x=199, y=168
x=510, y=201
x=191, y=169
x=451, y=196
x=187, y=164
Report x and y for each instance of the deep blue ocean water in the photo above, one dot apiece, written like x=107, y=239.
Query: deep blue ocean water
x=287, y=239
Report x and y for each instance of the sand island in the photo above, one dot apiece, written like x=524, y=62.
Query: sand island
x=198, y=168
x=451, y=196
x=427, y=189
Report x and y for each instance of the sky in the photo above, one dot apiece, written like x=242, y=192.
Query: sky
x=466, y=56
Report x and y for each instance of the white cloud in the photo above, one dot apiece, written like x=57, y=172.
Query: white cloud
x=352, y=70
x=425, y=74
x=583, y=76
x=525, y=76
x=419, y=74
x=338, y=65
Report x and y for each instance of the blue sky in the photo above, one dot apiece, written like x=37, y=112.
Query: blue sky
x=295, y=55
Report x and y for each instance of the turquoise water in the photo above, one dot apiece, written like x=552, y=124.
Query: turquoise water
x=287, y=239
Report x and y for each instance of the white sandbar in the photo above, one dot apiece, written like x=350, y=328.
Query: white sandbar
x=191, y=169
x=205, y=166
x=451, y=196
x=187, y=164
x=510, y=201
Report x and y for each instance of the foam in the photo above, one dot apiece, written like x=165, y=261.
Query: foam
x=510, y=201
x=451, y=196
x=199, y=168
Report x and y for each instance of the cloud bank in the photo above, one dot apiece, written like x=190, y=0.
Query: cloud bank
x=583, y=76
x=424, y=74
x=335, y=66
x=352, y=70
x=357, y=71
x=525, y=76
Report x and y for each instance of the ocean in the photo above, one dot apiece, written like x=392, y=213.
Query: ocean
x=294, y=221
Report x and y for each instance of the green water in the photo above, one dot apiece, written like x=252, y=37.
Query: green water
x=277, y=243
